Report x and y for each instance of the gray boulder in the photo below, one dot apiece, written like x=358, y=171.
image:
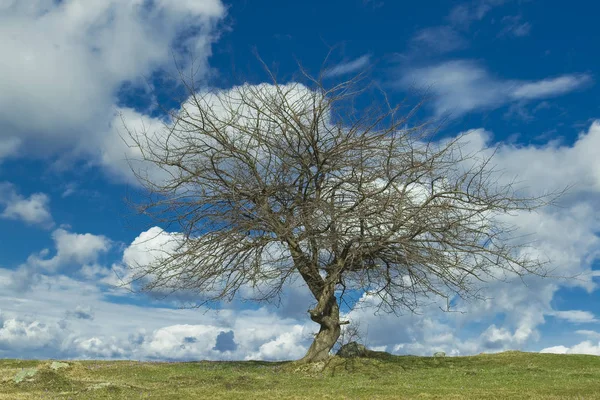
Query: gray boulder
x=352, y=349
x=439, y=354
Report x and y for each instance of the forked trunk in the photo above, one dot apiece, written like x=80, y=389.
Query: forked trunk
x=328, y=334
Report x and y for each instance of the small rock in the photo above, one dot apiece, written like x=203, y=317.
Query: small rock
x=56, y=365
x=352, y=349
x=439, y=354
x=24, y=374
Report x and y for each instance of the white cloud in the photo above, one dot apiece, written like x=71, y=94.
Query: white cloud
x=586, y=347
x=118, y=155
x=113, y=152
x=69, y=59
x=34, y=326
x=77, y=247
x=9, y=146
x=95, y=348
x=31, y=210
x=550, y=87
x=514, y=26
x=462, y=86
x=348, y=67
x=589, y=334
x=155, y=243
x=149, y=246
x=440, y=39
x=146, y=249
x=556, y=166
x=433, y=330
x=21, y=334
x=284, y=347
x=462, y=15
x=575, y=316
x=73, y=250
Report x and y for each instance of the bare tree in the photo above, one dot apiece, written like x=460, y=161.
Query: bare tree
x=273, y=180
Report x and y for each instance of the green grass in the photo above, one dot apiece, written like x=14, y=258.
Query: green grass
x=510, y=375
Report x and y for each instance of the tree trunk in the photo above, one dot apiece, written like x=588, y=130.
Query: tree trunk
x=328, y=334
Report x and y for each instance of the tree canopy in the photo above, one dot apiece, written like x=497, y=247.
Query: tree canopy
x=269, y=181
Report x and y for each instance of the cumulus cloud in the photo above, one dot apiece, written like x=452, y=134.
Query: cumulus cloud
x=95, y=347
x=118, y=154
x=31, y=210
x=156, y=243
x=27, y=334
x=114, y=154
x=286, y=346
x=554, y=165
x=462, y=86
x=433, y=330
x=149, y=246
x=72, y=250
x=586, y=347
x=69, y=60
x=34, y=326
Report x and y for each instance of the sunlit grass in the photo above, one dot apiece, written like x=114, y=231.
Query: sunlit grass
x=510, y=375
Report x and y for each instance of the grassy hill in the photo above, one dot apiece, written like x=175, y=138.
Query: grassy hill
x=510, y=375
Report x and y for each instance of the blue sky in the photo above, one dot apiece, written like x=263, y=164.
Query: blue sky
x=519, y=74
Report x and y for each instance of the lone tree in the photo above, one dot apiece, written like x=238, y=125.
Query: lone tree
x=269, y=181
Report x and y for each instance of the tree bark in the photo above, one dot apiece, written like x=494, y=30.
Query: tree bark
x=327, y=311
x=328, y=334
